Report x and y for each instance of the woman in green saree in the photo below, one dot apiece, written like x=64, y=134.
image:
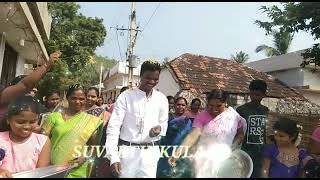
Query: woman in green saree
x=70, y=131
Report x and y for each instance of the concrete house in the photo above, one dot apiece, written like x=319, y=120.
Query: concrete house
x=287, y=69
x=24, y=27
x=116, y=78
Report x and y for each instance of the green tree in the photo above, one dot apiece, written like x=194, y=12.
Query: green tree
x=294, y=17
x=93, y=67
x=77, y=37
x=240, y=57
x=282, y=42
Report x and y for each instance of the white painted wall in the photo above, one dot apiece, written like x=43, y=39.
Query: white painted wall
x=276, y=63
x=20, y=66
x=26, y=11
x=312, y=96
x=2, y=48
x=167, y=85
x=45, y=16
x=312, y=79
x=291, y=77
x=113, y=82
x=119, y=80
x=121, y=67
x=135, y=80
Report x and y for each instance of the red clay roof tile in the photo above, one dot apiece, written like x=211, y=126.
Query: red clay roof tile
x=202, y=74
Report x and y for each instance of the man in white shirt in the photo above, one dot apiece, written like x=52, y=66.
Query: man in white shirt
x=138, y=121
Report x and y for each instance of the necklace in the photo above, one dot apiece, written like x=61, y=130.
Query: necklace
x=288, y=159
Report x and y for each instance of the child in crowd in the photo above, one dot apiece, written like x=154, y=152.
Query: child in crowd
x=171, y=105
x=284, y=159
x=312, y=161
x=20, y=148
x=194, y=109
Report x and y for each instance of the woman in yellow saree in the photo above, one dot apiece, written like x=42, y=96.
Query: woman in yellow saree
x=70, y=131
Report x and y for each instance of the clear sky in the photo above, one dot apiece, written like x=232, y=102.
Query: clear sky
x=216, y=29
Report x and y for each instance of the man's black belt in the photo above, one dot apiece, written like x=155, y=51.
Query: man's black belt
x=127, y=143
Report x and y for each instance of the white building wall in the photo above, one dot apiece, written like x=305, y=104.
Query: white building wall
x=312, y=79
x=2, y=48
x=121, y=68
x=291, y=77
x=167, y=85
x=312, y=96
x=113, y=82
x=45, y=17
x=276, y=63
x=20, y=66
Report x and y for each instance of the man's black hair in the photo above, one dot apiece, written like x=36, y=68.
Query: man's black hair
x=258, y=85
x=150, y=66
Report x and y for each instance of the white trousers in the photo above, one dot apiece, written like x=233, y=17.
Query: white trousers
x=139, y=162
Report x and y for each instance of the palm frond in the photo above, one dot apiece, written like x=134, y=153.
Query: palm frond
x=240, y=57
x=281, y=40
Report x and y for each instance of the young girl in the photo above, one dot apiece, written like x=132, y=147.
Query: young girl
x=52, y=100
x=312, y=161
x=23, y=150
x=283, y=159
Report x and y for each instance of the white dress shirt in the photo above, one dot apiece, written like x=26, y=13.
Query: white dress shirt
x=132, y=118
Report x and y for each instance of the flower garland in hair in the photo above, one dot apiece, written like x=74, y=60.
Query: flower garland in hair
x=299, y=138
x=153, y=62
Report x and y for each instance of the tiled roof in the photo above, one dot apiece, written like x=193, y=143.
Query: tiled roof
x=201, y=74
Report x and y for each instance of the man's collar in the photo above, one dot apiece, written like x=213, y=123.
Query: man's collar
x=144, y=93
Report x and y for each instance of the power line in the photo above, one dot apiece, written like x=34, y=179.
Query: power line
x=151, y=17
x=119, y=46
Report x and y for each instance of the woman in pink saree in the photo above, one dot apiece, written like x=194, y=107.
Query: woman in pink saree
x=217, y=125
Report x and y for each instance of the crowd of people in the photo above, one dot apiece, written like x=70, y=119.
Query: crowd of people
x=131, y=131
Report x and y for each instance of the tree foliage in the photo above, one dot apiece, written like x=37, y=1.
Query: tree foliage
x=77, y=37
x=94, y=67
x=294, y=17
x=240, y=57
x=281, y=41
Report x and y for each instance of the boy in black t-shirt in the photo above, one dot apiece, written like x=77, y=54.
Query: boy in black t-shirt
x=256, y=116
